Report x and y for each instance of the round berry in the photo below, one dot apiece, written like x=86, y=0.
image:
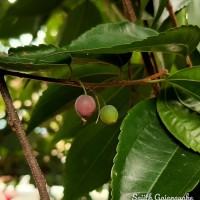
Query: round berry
x=85, y=106
x=108, y=114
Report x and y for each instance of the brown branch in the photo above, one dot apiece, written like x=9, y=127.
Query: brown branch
x=130, y=15
x=17, y=127
x=150, y=70
x=146, y=58
x=128, y=9
x=171, y=13
x=76, y=83
x=175, y=23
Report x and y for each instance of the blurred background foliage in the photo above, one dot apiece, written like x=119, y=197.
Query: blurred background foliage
x=36, y=22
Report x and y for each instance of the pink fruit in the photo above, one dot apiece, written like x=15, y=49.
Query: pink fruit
x=85, y=106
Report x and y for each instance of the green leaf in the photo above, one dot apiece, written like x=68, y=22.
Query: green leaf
x=34, y=58
x=123, y=37
x=187, y=79
x=148, y=158
x=189, y=100
x=181, y=121
x=114, y=59
x=178, y=106
x=38, y=54
x=77, y=23
x=90, y=159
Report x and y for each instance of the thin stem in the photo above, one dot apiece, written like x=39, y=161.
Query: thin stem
x=151, y=71
x=175, y=23
x=17, y=127
x=83, y=87
x=76, y=83
x=171, y=13
x=132, y=87
x=99, y=107
x=130, y=14
x=128, y=9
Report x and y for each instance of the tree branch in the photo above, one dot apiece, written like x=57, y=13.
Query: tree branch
x=171, y=13
x=145, y=56
x=150, y=70
x=175, y=23
x=128, y=9
x=76, y=83
x=17, y=127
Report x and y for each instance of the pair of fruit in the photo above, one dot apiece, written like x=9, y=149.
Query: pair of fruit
x=85, y=106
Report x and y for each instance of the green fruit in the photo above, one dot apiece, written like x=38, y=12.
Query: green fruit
x=108, y=114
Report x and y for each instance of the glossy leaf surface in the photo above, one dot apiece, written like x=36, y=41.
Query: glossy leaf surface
x=148, y=157
x=189, y=100
x=125, y=37
x=90, y=159
x=178, y=106
x=181, y=121
x=187, y=79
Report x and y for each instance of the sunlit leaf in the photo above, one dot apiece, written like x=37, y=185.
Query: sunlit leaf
x=125, y=37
